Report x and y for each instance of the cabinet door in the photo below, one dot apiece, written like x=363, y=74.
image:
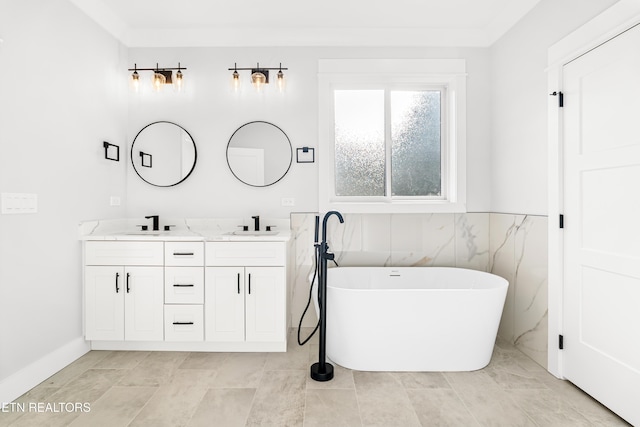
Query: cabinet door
x=265, y=304
x=104, y=303
x=224, y=304
x=144, y=304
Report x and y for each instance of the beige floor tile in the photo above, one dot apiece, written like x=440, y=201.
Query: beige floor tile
x=545, y=409
x=440, y=407
x=279, y=400
x=117, y=407
x=203, y=360
x=223, y=407
x=194, y=377
x=121, y=359
x=170, y=406
x=241, y=370
x=331, y=408
x=492, y=406
x=383, y=401
x=421, y=380
x=87, y=361
x=155, y=369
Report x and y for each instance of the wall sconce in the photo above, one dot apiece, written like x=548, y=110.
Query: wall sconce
x=160, y=77
x=259, y=77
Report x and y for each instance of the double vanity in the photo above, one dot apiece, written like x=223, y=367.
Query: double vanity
x=202, y=286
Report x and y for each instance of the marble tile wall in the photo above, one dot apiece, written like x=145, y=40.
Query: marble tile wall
x=511, y=246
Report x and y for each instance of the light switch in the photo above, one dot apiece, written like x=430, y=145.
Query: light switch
x=19, y=203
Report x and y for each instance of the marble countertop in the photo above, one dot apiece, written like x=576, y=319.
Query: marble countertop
x=184, y=230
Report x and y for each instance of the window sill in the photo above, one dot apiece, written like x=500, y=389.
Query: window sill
x=395, y=207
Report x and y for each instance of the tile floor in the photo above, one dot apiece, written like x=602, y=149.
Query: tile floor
x=274, y=389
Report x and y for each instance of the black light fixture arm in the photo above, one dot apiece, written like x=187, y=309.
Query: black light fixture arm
x=257, y=67
x=135, y=68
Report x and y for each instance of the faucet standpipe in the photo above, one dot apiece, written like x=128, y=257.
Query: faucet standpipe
x=156, y=221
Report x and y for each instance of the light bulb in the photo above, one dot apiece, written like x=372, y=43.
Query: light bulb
x=135, y=81
x=258, y=79
x=158, y=81
x=179, y=83
x=280, y=80
x=235, y=81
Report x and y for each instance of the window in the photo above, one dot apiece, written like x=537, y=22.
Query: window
x=392, y=142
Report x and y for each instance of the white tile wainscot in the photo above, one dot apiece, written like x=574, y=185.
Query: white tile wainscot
x=201, y=291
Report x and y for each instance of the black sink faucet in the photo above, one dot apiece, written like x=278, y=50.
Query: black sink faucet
x=156, y=221
x=256, y=223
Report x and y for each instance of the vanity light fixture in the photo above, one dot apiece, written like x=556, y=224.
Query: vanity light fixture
x=160, y=77
x=259, y=76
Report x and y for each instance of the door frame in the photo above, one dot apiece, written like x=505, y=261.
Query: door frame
x=610, y=23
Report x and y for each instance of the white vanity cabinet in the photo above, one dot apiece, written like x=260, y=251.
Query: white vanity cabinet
x=245, y=292
x=124, y=291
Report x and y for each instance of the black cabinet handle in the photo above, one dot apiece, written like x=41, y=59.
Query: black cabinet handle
x=249, y=283
x=117, y=287
x=183, y=254
x=183, y=285
x=238, y=283
x=183, y=323
x=128, y=287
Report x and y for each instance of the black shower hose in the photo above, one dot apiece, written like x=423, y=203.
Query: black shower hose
x=315, y=274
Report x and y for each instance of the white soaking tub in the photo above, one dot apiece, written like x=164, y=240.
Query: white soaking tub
x=412, y=318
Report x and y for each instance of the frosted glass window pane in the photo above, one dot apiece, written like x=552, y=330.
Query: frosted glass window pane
x=415, y=143
x=360, y=149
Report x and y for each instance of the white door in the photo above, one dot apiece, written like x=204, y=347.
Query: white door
x=104, y=303
x=144, y=304
x=602, y=224
x=224, y=304
x=265, y=302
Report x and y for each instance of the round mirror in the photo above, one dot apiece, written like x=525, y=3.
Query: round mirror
x=163, y=154
x=259, y=154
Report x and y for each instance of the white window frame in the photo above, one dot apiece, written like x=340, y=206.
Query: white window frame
x=396, y=74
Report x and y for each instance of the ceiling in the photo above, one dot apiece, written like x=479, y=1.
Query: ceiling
x=169, y=23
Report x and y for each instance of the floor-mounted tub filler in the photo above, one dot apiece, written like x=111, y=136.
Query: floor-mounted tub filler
x=412, y=318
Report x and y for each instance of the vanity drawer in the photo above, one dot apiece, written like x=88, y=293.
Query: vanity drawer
x=183, y=323
x=184, y=285
x=245, y=253
x=124, y=253
x=184, y=253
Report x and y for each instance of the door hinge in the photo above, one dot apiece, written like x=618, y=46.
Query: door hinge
x=561, y=342
x=561, y=222
x=560, y=96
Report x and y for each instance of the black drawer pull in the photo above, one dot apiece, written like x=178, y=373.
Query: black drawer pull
x=238, y=283
x=249, y=283
x=183, y=254
x=117, y=277
x=183, y=285
x=183, y=323
x=128, y=287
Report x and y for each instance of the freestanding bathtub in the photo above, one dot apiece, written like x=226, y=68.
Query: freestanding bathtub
x=412, y=318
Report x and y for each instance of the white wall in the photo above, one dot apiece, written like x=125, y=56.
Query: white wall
x=520, y=100
x=60, y=96
x=211, y=112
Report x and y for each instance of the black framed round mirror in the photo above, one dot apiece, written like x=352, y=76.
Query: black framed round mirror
x=163, y=154
x=259, y=153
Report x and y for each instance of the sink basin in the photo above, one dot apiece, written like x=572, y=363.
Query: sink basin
x=254, y=233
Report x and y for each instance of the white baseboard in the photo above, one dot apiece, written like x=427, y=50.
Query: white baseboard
x=30, y=376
